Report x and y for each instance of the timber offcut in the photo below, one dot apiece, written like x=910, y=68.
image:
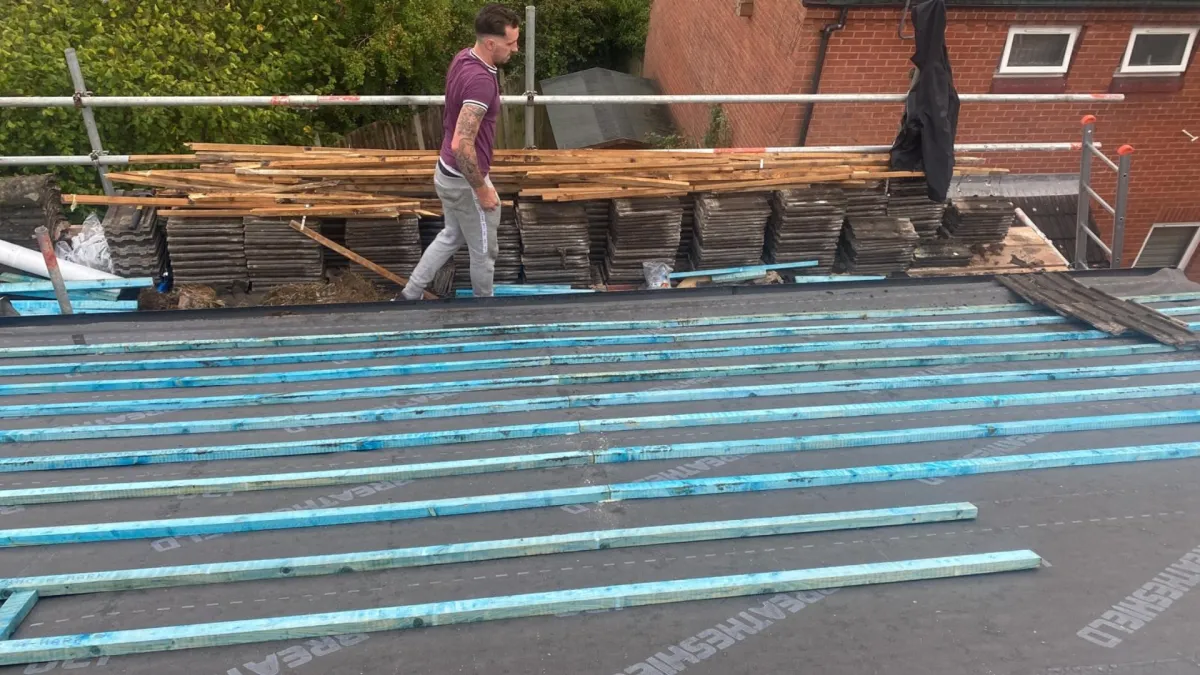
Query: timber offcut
x=1068, y=297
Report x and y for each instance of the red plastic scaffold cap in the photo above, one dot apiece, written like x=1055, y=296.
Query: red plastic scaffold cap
x=1125, y=150
x=1088, y=119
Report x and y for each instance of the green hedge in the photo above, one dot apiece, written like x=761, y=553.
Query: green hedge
x=244, y=47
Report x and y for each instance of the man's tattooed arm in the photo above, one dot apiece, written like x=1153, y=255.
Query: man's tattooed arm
x=463, y=144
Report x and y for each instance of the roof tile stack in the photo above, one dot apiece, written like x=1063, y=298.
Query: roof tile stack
x=687, y=234
x=429, y=227
x=276, y=254
x=643, y=230
x=909, y=198
x=554, y=242
x=392, y=243
x=878, y=245
x=29, y=202
x=599, y=222
x=730, y=229
x=979, y=220
x=334, y=229
x=443, y=282
x=210, y=251
x=806, y=224
x=137, y=242
x=868, y=200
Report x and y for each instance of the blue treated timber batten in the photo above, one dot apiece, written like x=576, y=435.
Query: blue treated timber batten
x=607, y=400
x=370, y=443
x=610, y=340
x=15, y=277
x=523, y=290
x=48, y=305
x=505, y=607
x=114, y=643
x=461, y=386
x=923, y=361
x=75, y=295
x=836, y=278
x=537, y=288
x=534, y=287
x=94, y=285
x=518, y=329
x=456, y=506
x=607, y=340
x=737, y=276
x=738, y=270
x=13, y=611
x=55, y=311
x=553, y=460
x=444, y=554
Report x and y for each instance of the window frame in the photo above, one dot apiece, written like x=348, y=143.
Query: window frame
x=1072, y=33
x=1187, y=255
x=1127, y=69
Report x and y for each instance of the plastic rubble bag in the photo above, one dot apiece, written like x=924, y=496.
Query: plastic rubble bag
x=88, y=248
x=657, y=274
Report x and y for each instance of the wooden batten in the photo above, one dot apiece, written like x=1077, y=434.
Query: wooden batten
x=233, y=180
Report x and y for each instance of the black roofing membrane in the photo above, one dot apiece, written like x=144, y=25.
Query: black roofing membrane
x=1106, y=531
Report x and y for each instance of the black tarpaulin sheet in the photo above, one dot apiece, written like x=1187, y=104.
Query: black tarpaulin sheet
x=930, y=121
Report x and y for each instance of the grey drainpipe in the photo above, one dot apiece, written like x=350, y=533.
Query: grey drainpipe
x=826, y=33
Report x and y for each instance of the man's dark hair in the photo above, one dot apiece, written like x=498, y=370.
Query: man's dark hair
x=493, y=19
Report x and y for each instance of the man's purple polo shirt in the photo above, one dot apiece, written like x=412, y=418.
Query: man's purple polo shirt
x=470, y=81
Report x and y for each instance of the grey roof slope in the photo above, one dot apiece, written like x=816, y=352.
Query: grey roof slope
x=598, y=126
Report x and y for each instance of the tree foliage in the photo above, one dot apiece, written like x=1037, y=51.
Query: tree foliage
x=577, y=34
x=156, y=47
x=256, y=47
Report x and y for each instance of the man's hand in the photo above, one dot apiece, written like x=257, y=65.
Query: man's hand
x=488, y=199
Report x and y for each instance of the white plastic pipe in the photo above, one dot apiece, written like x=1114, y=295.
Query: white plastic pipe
x=31, y=261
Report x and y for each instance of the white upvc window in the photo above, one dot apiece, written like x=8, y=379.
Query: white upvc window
x=1038, y=50
x=1169, y=245
x=1158, y=50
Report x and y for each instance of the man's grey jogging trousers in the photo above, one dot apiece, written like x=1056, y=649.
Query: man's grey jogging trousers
x=466, y=222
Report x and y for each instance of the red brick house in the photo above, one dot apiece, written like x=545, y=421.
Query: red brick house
x=1142, y=48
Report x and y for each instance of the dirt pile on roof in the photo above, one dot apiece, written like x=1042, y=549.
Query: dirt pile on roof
x=346, y=288
x=184, y=297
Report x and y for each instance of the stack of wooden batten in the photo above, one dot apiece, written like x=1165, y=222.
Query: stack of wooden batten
x=293, y=181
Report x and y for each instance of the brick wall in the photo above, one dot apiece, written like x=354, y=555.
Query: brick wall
x=713, y=51
x=1166, y=165
x=701, y=47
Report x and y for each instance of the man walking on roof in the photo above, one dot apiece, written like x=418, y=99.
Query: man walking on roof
x=469, y=201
